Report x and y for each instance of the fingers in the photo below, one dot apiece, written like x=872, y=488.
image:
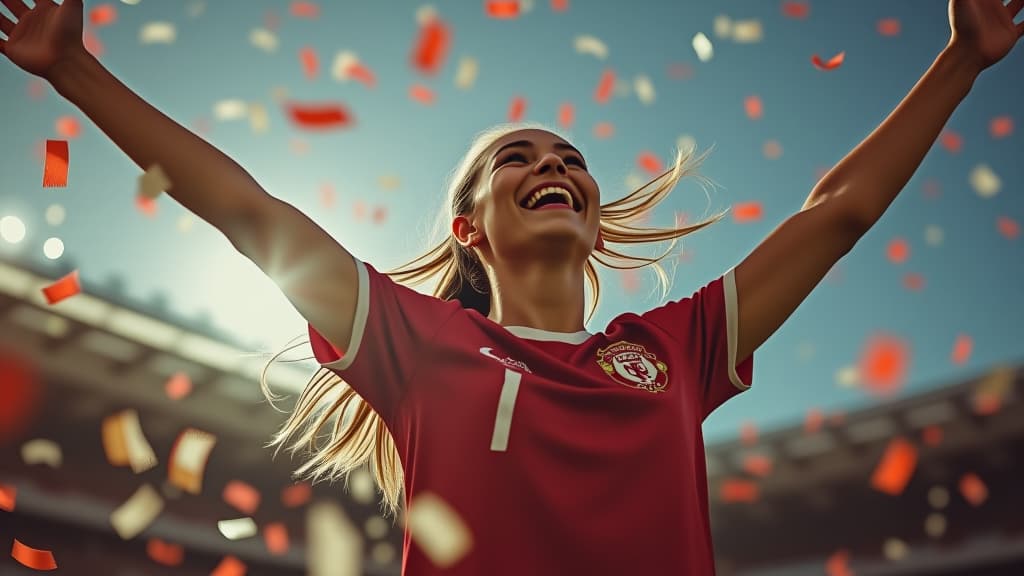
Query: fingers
x=6, y=26
x=1014, y=6
x=17, y=7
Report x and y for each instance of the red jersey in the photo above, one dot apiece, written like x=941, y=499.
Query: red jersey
x=562, y=453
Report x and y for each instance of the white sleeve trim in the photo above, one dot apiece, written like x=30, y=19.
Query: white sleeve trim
x=732, y=326
x=358, y=322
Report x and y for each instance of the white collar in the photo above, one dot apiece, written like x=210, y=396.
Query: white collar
x=549, y=336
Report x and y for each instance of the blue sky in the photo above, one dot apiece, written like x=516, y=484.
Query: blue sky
x=972, y=272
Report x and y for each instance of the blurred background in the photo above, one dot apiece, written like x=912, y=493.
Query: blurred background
x=884, y=429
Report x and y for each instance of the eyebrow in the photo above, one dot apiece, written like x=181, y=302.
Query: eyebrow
x=527, y=143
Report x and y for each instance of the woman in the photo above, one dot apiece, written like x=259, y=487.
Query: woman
x=557, y=450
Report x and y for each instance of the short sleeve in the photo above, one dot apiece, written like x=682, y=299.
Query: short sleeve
x=706, y=327
x=392, y=330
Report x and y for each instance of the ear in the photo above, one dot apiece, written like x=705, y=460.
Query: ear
x=599, y=243
x=465, y=232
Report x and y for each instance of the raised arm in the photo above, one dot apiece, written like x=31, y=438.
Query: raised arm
x=316, y=274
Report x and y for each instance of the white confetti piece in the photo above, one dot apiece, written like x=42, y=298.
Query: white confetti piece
x=465, y=76
x=586, y=44
x=686, y=143
x=984, y=181
x=225, y=110
x=334, y=545
x=238, y=528
x=157, y=33
x=933, y=235
x=437, y=530
x=42, y=451
x=425, y=14
x=153, y=182
x=124, y=442
x=136, y=513
x=263, y=39
x=644, y=89
x=188, y=459
x=722, y=26
x=702, y=47
x=344, y=61
x=848, y=377
x=360, y=485
x=259, y=120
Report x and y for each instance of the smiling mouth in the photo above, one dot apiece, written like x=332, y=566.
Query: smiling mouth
x=551, y=198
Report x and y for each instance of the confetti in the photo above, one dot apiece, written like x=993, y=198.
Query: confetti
x=103, y=15
x=895, y=468
x=913, y=281
x=334, y=547
x=1001, y=127
x=465, y=74
x=990, y=393
x=649, y=163
x=310, y=62
x=604, y=130
x=883, y=364
x=327, y=196
x=566, y=115
x=263, y=39
x=153, y=183
x=757, y=465
x=604, y=87
x=644, y=89
x=772, y=149
x=984, y=181
x=702, y=47
x=164, y=552
x=296, y=495
x=421, y=94
x=146, y=205
x=753, y=107
x=838, y=564
x=124, y=442
x=20, y=395
x=157, y=33
x=226, y=110
x=33, y=558
x=135, y=514
x=559, y=5
x=42, y=451
x=813, y=420
x=347, y=66
x=1008, y=227
x=55, y=169
x=516, y=109
x=68, y=127
x=237, y=529
x=736, y=490
x=951, y=141
x=243, y=496
x=308, y=10
x=832, y=64
x=748, y=432
x=275, y=536
x=592, y=45
x=324, y=116
x=747, y=212
x=680, y=71
x=796, y=9
x=8, y=496
x=438, y=530
x=630, y=281
x=961, y=349
x=888, y=27
x=747, y=31
x=897, y=251
x=380, y=214
x=229, y=566
x=973, y=489
x=431, y=46
x=188, y=459
x=722, y=26
x=931, y=435
x=92, y=43
x=502, y=9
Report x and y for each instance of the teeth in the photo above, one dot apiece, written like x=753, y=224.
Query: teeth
x=549, y=190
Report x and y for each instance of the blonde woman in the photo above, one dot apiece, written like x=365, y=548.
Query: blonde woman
x=561, y=450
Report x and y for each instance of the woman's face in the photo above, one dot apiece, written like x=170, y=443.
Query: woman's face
x=535, y=192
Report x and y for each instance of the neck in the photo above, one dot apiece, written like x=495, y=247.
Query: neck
x=542, y=295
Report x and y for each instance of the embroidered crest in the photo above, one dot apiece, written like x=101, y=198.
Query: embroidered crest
x=632, y=365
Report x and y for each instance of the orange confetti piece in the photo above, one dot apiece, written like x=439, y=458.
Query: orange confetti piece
x=895, y=468
x=146, y=205
x=961, y=349
x=832, y=64
x=360, y=72
x=604, y=87
x=8, y=496
x=932, y=188
x=813, y=420
x=65, y=287
x=883, y=364
x=888, y=27
x=296, y=495
x=68, y=127
x=103, y=15
x=327, y=196
x=796, y=9
x=973, y=489
x=604, y=130
x=310, y=62
x=738, y=490
x=516, y=109
x=648, y=162
x=229, y=566
x=431, y=47
x=772, y=149
x=305, y=10
x=55, y=171
x=680, y=71
x=92, y=43
x=178, y=386
x=421, y=94
x=757, y=465
x=898, y=251
x=951, y=141
x=566, y=115
x=913, y=281
x=747, y=211
x=325, y=116
x=630, y=281
x=838, y=564
x=748, y=432
x=33, y=558
x=164, y=552
x=242, y=496
x=275, y=536
x=752, y=105
x=932, y=435
x=559, y=5
x=1001, y=127
x=1007, y=227
x=380, y=214
x=502, y=9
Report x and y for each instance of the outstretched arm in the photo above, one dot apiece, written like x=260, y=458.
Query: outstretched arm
x=776, y=277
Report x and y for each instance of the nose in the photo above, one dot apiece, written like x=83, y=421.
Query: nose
x=548, y=162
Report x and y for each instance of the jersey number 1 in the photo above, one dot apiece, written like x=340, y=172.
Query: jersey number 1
x=506, y=404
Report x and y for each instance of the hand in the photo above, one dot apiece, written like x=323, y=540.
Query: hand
x=983, y=30
x=43, y=36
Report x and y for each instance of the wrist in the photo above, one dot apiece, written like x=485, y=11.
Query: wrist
x=66, y=72
x=961, y=62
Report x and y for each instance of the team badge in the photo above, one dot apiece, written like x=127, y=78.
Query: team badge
x=632, y=365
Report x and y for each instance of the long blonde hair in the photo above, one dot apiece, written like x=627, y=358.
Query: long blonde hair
x=358, y=434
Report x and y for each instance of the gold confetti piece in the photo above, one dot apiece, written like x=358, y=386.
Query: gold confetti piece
x=226, y=110
x=136, y=513
x=360, y=485
x=587, y=44
x=747, y=31
x=465, y=75
x=153, y=183
x=157, y=33
x=895, y=549
x=238, y=528
x=702, y=47
x=185, y=223
x=33, y=558
x=42, y=451
x=188, y=459
x=124, y=442
x=259, y=120
x=263, y=39
x=389, y=182
x=334, y=545
x=990, y=393
x=438, y=530
x=644, y=89
x=722, y=26
x=984, y=181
